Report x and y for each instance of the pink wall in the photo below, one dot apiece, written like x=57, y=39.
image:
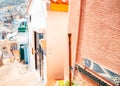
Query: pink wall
x=100, y=32
x=73, y=29
x=56, y=41
x=74, y=25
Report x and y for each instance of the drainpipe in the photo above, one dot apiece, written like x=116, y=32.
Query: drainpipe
x=70, y=65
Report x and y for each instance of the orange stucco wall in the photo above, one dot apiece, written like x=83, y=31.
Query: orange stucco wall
x=56, y=42
x=99, y=34
x=73, y=25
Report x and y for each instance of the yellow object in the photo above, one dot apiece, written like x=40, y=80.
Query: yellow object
x=60, y=83
x=59, y=7
x=43, y=44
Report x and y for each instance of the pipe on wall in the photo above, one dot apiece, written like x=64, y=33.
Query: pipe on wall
x=70, y=65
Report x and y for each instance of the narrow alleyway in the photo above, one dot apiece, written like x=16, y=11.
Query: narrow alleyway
x=17, y=74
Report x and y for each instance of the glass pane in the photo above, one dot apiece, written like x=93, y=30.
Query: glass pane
x=87, y=62
x=97, y=68
x=112, y=74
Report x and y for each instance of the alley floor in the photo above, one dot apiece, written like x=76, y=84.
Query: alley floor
x=17, y=74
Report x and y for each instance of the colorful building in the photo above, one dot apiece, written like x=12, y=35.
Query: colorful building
x=80, y=41
x=52, y=24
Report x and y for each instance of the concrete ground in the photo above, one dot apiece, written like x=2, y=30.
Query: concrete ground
x=17, y=74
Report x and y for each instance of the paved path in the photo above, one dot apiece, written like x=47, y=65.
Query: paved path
x=16, y=74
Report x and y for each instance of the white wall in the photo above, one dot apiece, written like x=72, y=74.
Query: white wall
x=31, y=45
x=38, y=15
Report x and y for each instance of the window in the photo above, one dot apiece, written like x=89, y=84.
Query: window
x=87, y=62
x=112, y=73
x=97, y=68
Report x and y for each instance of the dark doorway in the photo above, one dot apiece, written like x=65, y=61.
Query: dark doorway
x=38, y=53
x=35, y=45
x=22, y=52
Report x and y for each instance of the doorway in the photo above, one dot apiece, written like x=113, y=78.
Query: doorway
x=39, y=61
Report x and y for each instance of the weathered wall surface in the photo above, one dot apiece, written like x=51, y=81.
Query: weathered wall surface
x=73, y=30
x=100, y=33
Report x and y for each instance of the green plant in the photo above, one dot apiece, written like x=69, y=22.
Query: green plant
x=61, y=83
x=73, y=83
